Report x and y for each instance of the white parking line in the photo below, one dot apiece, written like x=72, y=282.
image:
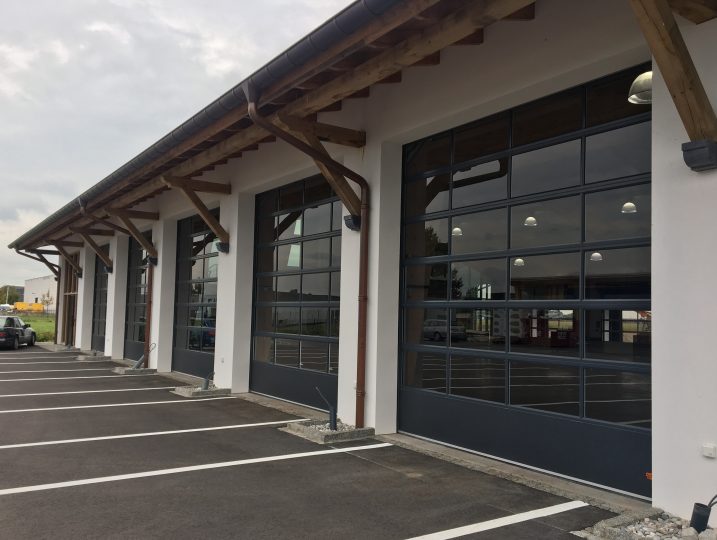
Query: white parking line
x=177, y=470
x=501, y=522
x=54, y=370
x=72, y=378
x=114, y=405
x=60, y=362
x=150, y=434
x=88, y=391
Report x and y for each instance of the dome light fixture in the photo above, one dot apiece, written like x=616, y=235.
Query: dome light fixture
x=530, y=221
x=518, y=262
x=629, y=208
x=596, y=256
x=457, y=231
x=641, y=89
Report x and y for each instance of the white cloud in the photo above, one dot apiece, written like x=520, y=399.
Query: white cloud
x=113, y=30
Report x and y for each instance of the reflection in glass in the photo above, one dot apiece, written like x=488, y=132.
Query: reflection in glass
x=427, y=325
x=287, y=352
x=194, y=341
x=265, y=259
x=336, y=216
x=426, y=238
x=287, y=320
x=314, y=356
x=480, y=183
x=618, y=396
x=617, y=153
x=613, y=334
x=606, y=99
x=427, y=195
x=264, y=321
x=314, y=321
x=478, y=328
x=558, y=222
x=427, y=154
x=425, y=370
x=545, y=387
x=333, y=358
x=545, y=277
x=478, y=280
x=289, y=257
x=548, y=117
x=317, y=253
x=334, y=322
x=315, y=287
x=288, y=225
x=336, y=252
x=481, y=138
x=335, y=286
x=618, y=213
x=620, y=273
x=544, y=331
x=317, y=219
x=479, y=378
x=291, y=196
x=427, y=282
x=287, y=288
x=483, y=231
x=316, y=188
x=546, y=169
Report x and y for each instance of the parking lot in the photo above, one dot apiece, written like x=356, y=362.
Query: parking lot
x=85, y=453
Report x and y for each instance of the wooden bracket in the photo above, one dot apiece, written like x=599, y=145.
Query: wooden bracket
x=64, y=243
x=98, y=251
x=91, y=232
x=673, y=58
x=326, y=132
x=68, y=259
x=134, y=214
x=337, y=181
x=134, y=232
x=696, y=11
x=43, y=251
x=185, y=186
x=40, y=258
x=198, y=185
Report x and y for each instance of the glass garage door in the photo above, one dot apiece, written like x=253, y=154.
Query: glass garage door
x=99, y=304
x=136, y=299
x=525, y=313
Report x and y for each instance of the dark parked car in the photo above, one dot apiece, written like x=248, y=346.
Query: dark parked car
x=14, y=332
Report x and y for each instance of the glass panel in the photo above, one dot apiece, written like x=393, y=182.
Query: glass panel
x=612, y=334
x=317, y=254
x=544, y=331
x=195, y=316
x=335, y=286
x=289, y=225
x=336, y=252
x=427, y=155
x=266, y=230
x=265, y=289
x=287, y=320
x=479, y=378
x=545, y=277
x=197, y=269
x=334, y=358
x=618, y=396
x=289, y=257
x=545, y=387
x=195, y=293
x=607, y=100
x=287, y=352
x=287, y=288
x=618, y=273
x=336, y=216
x=478, y=280
x=334, y=321
x=548, y=117
x=315, y=287
x=316, y=189
x=481, y=138
x=195, y=339
x=315, y=356
x=291, y=196
x=621, y=152
x=208, y=339
x=481, y=183
x=264, y=349
x=426, y=238
x=314, y=321
x=483, y=231
x=478, y=328
x=427, y=195
x=427, y=282
x=317, y=220
x=264, y=320
x=210, y=293
x=265, y=259
x=546, y=169
x=427, y=326
x=546, y=223
x=618, y=213
x=425, y=370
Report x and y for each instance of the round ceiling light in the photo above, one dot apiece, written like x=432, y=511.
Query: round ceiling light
x=629, y=208
x=530, y=221
x=519, y=262
x=596, y=256
x=457, y=231
x=641, y=89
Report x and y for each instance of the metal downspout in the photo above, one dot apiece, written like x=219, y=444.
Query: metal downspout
x=363, y=251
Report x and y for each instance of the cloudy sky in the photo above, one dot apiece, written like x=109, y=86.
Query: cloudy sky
x=85, y=85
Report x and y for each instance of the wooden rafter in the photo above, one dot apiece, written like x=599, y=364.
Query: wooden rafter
x=184, y=186
x=98, y=251
x=68, y=259
x=40, y=258
x=91, y=232
x=108, y=223
x=134, y=232
x=696, y=11
x=63, y=243
x=44, y=251
x=673, y=58
x=326, y=132
x=138, y=214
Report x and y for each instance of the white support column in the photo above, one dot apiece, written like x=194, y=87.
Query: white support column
x=117, y=297
x=234, y=295
x=85, y=297
x=164, y=237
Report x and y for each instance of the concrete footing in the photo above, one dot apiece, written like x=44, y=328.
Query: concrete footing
x=312, y=430
x=133, y=371
x=197, y=392
x=85, y=357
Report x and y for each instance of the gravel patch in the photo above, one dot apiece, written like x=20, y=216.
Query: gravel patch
x=326, y=427
x=661, y=526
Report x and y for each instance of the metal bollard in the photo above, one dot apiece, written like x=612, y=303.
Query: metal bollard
x=139, y=362
x=332, y=410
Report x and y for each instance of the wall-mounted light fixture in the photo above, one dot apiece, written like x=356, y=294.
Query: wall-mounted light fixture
x=641, y=89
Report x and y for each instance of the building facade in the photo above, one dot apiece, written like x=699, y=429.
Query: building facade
x=537, y=271
x=37, y=289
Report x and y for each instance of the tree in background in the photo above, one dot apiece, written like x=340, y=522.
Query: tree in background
x=8, y=295
x=46, y=299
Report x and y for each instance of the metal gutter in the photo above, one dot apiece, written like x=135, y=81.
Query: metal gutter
x=349, y=20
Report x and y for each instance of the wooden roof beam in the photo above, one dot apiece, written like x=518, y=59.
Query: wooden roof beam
x=134, y=232
x=696, y=11
x=673, y=58
x=39, y=258
x=134, y=214
x=69, y=260
x=327, y=132
x=98, y=251
x=91, y=232
x=63, y=243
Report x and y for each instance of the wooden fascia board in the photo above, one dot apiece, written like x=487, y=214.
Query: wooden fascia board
x=673, y=58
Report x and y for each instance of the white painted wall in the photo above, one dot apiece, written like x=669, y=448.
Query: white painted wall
x=36, y=287
x=684, y=374
x=85, y=297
